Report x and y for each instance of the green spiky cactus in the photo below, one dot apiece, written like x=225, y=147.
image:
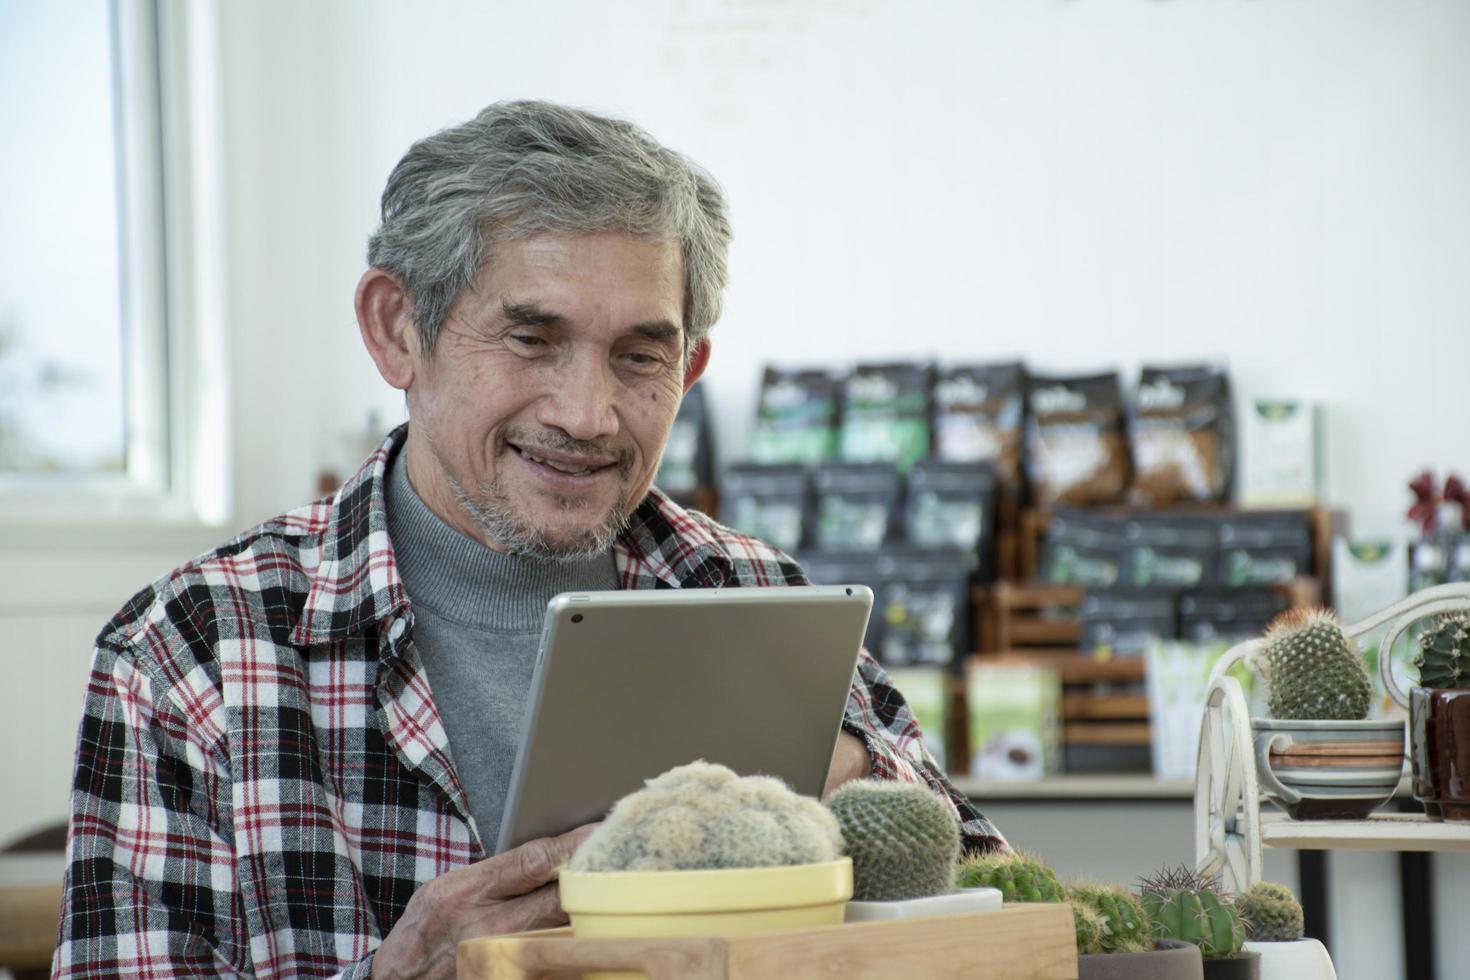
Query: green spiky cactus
x=705, y=816
x=1089, y=928
x=1271, y=913
x=1020, y=877
x=1312, y=670
x=1182, y=905
x=1444, y=652
x=1125, y=926
x=904, y=840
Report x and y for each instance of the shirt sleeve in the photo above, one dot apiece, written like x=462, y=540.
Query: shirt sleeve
x=878, y=714
x=149, y=888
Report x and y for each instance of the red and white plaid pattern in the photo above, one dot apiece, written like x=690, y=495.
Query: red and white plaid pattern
x=262, y=775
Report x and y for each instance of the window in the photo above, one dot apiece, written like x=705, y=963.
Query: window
x=108, y=402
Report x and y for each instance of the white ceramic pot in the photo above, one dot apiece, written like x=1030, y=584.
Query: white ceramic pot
x=964, y=900
x=1304, y=959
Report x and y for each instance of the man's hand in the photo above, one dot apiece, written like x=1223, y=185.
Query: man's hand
x=849, y=761
x=510, y=892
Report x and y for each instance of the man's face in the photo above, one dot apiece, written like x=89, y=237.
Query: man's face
x=538, y=420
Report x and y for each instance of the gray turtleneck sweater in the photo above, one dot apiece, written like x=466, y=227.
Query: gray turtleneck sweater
x=477, y=617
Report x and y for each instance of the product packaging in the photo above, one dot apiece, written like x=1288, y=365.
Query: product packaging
x=768, y=502
x=1283, y=453
x=885, y=414
x=1076, y=449
x=1014, y=720
x=1178, y=674
x=952, y=505
x=1208, y=615
x=1264, y=549
x=858, y=506
x=1170, y=551
x=1083, y=548
x=979, y=417
x=688, y=460
x=1183, y=435
x=796, y=417
x=850, y=568
x=926, y=605
x=927, y=693
x=1121, y=622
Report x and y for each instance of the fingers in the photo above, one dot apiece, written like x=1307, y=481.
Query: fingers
x=526, y=868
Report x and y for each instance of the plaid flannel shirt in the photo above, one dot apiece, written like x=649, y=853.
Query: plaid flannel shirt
x=262, y=777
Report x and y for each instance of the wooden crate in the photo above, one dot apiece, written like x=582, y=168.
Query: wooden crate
x=1018, y=942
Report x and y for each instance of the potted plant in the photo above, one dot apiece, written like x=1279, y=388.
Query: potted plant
x=1318, y=756
x=700, y=851
x=1273, y=925
x=1183, y=905
x=1115, y=941
x=904, y=842
x=1439, y=718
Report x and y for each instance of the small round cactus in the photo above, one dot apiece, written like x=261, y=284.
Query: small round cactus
x=1444, y=652
x=1271, y=913
x=1183, y=905
x=1312, y=670
x=904, y=840
x=705, y=816
x=1020, y=877
x=1089, y=926
x=1125, y=926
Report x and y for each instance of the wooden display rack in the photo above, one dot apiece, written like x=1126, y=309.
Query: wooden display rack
x=1019, y=942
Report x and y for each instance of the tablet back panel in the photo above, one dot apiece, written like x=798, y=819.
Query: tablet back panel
x=630, y=684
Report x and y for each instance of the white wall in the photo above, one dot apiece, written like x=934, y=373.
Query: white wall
x=1080, y=182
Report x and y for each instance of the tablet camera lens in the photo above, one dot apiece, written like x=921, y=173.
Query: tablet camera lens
x=577, y=618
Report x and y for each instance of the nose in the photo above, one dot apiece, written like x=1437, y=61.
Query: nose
x=583, y=399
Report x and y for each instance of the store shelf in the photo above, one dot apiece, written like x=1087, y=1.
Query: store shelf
x=1101, y=787
x=1380, y=832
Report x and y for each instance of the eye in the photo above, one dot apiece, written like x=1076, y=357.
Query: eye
x=643, y=361
x=527, y=340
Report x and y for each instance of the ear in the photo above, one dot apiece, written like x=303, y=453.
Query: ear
x=698, y=361
x=385, y=319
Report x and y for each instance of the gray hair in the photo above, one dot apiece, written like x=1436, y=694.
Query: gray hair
x=520, y=168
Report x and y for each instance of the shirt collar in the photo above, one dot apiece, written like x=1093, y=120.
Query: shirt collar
x=356, y=587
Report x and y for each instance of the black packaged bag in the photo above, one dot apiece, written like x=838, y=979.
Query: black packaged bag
x=926, y=606
x=885, y=414
x=858, y=506
x=1076, y=449
x=688, y=460
x=1183, y=435
x=1082, y=548
x=1123, y=621
x=772, y=503
x=1227, y=614
x=796, y=417
x=1264, y=549
x=850, y=568
x=980, y=416
x=1170, y=551
x=952, y=505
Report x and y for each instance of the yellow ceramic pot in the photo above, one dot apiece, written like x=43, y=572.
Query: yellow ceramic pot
x=724, y=902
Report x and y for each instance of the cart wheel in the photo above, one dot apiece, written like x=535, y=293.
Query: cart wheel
x=1227, y=833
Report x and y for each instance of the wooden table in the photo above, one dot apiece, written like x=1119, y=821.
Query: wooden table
x=30, y=904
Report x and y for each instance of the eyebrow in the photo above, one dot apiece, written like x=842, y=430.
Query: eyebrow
x=531, y=315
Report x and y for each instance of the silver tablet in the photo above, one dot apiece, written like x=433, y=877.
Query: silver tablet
x=630, y=684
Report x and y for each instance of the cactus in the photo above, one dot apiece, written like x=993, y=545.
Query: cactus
x=1312, y=670
x=1020, y=877
x=1271, y=913
x=904, y=840
x=1089, y=928
x=1182, y=905
x=1125, y=927
x=1444, y=652
x=704, y=816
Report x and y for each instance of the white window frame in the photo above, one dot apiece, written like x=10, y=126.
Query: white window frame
x=171, y=272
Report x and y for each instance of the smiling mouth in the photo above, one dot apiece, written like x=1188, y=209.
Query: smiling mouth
x=569, y=467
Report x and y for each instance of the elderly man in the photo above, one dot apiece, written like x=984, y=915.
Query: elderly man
x=295, y=748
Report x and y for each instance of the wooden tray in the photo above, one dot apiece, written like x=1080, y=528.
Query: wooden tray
x=1018, y=942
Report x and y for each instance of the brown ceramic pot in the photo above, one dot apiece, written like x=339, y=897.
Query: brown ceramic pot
x=1172, y=960
x=1240, y=966
x=1439, y=741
